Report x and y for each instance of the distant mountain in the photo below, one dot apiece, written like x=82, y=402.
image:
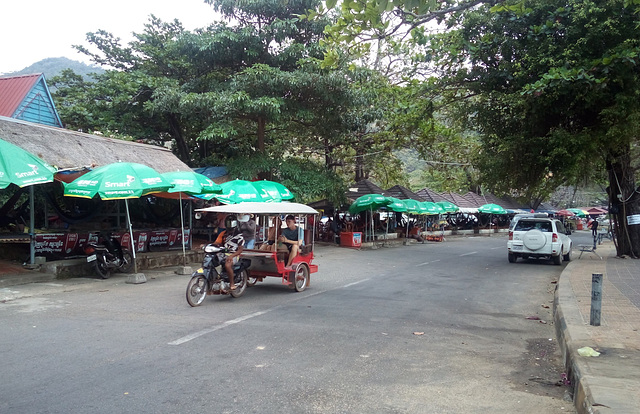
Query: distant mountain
x=54, y=66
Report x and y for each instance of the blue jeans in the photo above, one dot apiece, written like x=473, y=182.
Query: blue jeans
x=250, y=244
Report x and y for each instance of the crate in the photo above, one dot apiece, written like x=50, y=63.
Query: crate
x=349, y=239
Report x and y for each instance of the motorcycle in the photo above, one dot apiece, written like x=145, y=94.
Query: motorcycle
x=108, y=256
x=209, y=281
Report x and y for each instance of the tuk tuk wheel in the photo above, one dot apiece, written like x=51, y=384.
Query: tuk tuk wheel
x=301, y=278
x=251, y=281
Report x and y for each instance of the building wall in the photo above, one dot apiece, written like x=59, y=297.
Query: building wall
x=37, y=107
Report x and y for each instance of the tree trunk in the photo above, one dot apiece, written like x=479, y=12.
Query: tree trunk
x=262, y=122
x=176, y=133
x=359, y=168
x=624, y=200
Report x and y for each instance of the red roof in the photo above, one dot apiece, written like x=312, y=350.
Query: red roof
x=13, y=90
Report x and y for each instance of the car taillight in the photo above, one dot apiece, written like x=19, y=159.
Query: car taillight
x=554, y=238
x=89, y=250
x=510, y=235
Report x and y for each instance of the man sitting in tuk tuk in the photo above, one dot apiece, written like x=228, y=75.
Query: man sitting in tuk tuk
x=290, y=239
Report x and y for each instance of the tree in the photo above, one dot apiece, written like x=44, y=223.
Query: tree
x=552, y=89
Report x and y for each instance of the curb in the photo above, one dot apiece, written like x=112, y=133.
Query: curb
x=572, y=335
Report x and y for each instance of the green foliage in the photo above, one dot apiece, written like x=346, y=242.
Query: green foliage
x=546, y=86
x=307, y=179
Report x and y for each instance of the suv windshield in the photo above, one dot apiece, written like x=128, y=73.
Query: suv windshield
x=526, y=225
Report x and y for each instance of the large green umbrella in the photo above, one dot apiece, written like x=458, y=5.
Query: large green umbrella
x=413, y=206
x=276, y=191
x=447, y=206
x=396, y=205
x=368, y=202
x=432, y=208
x=117, y=181
x=491, y=209
x=238, y=191
x=120, y=180
x=22, y=168
x=189, y=183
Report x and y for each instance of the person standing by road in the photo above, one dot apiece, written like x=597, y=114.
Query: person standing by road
x=594, y=228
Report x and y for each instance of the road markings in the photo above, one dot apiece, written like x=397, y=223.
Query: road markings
x=467, y=254
x=224, y=324
x=426, y=263
x=215, y=328
x=354, y=283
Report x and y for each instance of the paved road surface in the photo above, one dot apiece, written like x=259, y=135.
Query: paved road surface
x=436, y=328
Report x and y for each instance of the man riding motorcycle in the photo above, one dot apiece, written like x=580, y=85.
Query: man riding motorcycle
x=233, y=243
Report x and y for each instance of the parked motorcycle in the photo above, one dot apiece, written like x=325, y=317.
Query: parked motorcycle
x=209, y=281
x=108, y=255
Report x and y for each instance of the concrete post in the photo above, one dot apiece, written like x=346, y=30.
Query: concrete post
x=596, y=298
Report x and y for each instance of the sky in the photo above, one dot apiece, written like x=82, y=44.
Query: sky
x=32, y=30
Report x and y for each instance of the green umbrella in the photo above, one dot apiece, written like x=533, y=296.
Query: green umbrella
x=189, y=183
x=368, y=202
x=238, y=191
x=413, y=206
x=396, y=205
x=276, y=191
x=491, y=209
x=578, y=212
x=120, y=180
x=22, y=168
x=432, y=208
x=447, y=206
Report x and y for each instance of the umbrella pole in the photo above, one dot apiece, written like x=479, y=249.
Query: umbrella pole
x=184, y=253
x=386, y=236
x=406, y=233
x=32, y=236
x=133, y=244
x=190, y=225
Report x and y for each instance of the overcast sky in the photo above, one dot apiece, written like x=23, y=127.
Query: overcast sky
x=33, y=30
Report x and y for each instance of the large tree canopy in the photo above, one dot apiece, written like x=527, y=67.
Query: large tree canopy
x=553, y=90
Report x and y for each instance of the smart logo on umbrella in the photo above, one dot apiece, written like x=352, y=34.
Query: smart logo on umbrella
x=34, y=171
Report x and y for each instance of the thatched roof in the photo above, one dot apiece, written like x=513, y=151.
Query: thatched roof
x=67, y=149
x=403, y=193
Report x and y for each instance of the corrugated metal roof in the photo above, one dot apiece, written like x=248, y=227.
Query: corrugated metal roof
x=13, y=90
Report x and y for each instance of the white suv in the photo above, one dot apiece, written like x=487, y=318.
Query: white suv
x=539, y=237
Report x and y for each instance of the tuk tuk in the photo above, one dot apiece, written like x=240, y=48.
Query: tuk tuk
x=270, y=255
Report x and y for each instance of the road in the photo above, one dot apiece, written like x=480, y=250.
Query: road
x=428, y=328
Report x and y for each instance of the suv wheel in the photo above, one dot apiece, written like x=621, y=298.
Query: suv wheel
x=557, y=260
x=512, y=258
